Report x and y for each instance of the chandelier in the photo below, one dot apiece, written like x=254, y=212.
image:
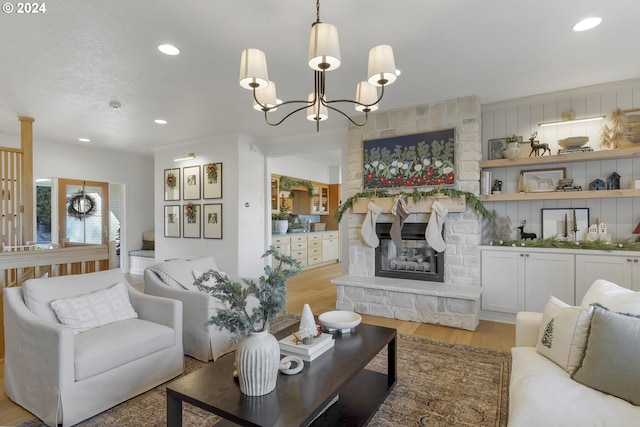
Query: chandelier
x=324, y=56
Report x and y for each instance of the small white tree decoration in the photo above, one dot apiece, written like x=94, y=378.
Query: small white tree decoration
x=308, y=328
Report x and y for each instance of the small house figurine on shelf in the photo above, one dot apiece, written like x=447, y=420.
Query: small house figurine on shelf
x=613, y=182
x=598, y=231
x=597, y=184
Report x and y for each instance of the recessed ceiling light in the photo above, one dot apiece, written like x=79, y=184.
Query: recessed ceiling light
x=84, y=140
x=587, y=24
x=168, y=49
x=160, y=121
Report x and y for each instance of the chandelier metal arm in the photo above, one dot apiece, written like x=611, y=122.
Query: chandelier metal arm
x=266, y=119
x=366, y=114
x=325, y=103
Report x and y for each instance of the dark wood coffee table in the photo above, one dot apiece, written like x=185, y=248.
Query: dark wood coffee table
x=297, y=399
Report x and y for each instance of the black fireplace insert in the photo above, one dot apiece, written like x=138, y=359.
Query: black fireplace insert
x=415, y=260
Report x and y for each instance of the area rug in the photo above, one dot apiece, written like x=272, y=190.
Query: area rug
x=439, y=384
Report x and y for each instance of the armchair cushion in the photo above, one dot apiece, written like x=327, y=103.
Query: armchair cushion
x=93, y=309
x=178, y=273
x=95, y=352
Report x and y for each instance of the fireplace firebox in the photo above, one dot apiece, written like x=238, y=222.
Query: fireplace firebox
x=414, y=260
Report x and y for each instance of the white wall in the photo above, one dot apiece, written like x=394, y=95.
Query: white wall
x=296, y=167
x=133, y=172
x=243, y=181
x=521, y=117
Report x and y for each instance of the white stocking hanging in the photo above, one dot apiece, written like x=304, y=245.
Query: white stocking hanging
x=433, y=233
x=369, y=225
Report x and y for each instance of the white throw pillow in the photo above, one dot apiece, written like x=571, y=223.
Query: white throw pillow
x=208, y=280
x=94, y=309
x=612, y=296
x=563, y=333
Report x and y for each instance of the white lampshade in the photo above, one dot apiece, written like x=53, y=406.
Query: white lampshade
x=324, y=48
x=267, y=96
x=253, y=69
x=366, y=94
x=317, y=111
x=382, y=66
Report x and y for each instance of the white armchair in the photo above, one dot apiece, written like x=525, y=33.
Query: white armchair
x=64, y=377
x=175, y=279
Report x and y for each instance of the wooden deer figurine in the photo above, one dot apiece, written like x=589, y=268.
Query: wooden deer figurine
x=523, y=235
x=536, y=146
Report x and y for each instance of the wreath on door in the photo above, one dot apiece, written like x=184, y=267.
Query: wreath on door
x=81, y=205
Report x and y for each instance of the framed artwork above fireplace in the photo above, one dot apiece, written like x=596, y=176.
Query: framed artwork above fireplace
x=415, y=160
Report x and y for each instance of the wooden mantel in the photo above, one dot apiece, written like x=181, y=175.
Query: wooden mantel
x=422, y=206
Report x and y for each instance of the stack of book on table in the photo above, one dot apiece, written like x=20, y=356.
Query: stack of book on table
x=306, y=352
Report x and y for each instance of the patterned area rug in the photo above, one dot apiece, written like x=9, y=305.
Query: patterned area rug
x=439, y=384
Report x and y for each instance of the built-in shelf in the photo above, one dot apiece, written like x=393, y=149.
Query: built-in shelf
x=589, y=156
x=558, y=195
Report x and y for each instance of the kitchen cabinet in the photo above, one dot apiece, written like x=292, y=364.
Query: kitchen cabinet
x=314, y=249
x=282, y=244
x=515, y=279
x=320, y=199
x=299, y=248
x=330, y=246
x=622, y=269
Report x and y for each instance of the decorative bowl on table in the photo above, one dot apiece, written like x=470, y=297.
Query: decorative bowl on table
x=339, y=320
x=573, y=142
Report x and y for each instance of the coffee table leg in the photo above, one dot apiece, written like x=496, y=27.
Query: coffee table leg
x=392, y=358
x=174, y=411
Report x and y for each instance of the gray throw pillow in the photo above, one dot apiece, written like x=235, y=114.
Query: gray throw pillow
x=611, y=361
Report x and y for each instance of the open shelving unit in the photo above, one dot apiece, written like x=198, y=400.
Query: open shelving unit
x=618, y=153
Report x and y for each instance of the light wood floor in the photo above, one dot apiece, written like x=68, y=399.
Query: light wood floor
x=313, y=287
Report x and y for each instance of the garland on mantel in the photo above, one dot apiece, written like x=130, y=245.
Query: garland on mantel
x=550, y=242
x=472, y=200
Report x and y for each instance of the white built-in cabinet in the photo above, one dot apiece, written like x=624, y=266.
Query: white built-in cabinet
x=622, y=269
x=330, y=246
x=522, y=279
x=517, y=279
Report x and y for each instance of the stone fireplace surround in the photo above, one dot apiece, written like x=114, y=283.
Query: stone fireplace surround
x=456, y=301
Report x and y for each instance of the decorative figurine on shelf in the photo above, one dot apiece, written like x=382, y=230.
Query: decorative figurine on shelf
x=598, y=231
x=523, y=235
x=597, y=184
x=613, y=182
x=497, y=187
x=536, y=146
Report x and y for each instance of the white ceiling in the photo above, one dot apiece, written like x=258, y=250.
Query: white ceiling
x=63, y=67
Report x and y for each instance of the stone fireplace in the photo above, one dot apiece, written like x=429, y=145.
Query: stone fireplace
x=414, y=259
x=455, y=299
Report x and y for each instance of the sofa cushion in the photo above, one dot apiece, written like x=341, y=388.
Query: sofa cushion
x=612, y=296
x=563, y=333
x=94, y=309
x=542, y=394
x=38, y=293
x=611, y=361
x=102, y=349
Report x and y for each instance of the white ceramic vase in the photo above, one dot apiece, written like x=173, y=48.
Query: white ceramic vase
x=257, y=362
x=280, y=226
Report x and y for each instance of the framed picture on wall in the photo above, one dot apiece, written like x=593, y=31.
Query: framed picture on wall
x=542, y=180
x=212, y=221
x=191, y=183
x=172, y=184
x=212, y=181
x=172, y=221
x=191, y=220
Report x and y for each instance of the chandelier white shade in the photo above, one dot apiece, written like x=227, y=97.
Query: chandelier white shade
x=253, y=69
x=324, y=56
x=324, y=49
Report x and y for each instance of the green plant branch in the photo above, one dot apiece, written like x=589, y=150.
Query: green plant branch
x=551, y=242
x=471, y=199
x=287, y=183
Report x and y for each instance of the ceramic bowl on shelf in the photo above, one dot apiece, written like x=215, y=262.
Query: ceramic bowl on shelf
x=511, y=153
x=339, y=320
x=573, y=142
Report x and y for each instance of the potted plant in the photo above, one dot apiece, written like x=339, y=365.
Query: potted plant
x=281, y=219
x=258, y=352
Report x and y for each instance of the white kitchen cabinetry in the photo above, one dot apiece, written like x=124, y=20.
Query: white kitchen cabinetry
x=330, y=246
x=523, y=279
x=282, y=244
x=314, y=249
x=622, y=269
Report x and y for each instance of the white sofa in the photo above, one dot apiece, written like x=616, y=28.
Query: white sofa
x=542, y=393
x=175, y=279
x=64, y=377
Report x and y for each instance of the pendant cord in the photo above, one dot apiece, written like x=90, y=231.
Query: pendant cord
x=317, y=10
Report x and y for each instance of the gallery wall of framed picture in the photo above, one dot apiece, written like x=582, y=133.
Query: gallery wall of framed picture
x=191, y=219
